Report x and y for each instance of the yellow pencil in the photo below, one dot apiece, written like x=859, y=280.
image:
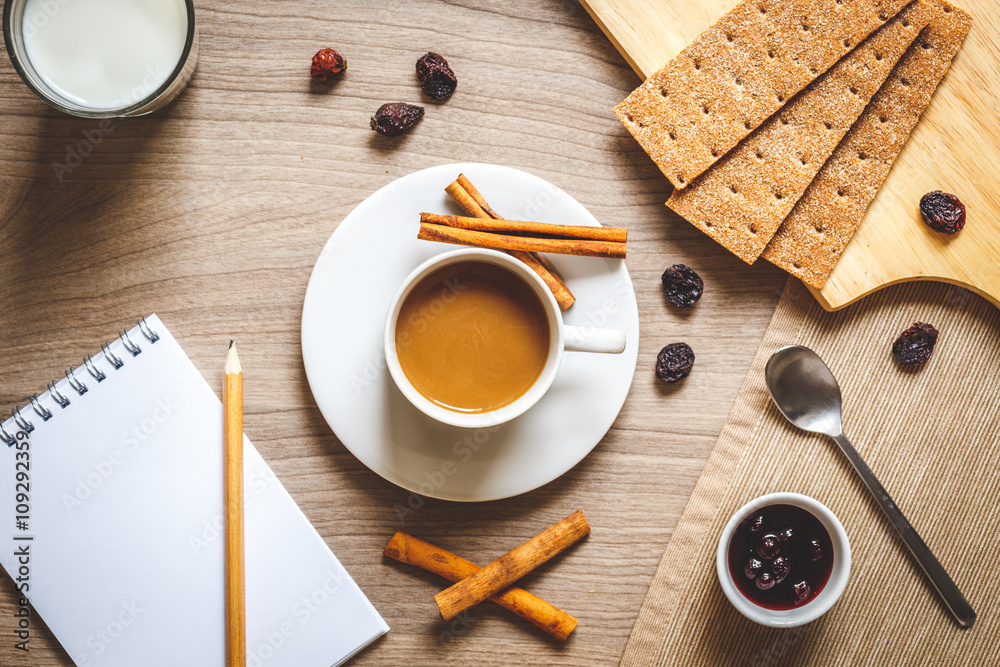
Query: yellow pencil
x=235, y=592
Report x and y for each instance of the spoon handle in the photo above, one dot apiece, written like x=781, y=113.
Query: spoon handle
x=953, y=598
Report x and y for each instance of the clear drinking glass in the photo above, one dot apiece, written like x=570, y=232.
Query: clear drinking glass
x=141, y=100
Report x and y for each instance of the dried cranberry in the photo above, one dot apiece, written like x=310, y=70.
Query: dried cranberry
x=914, y=346
x=327, y=64
x=786, y=534
x=769, y=546
x=943, y=212
x=753, y=568
x=682, y=286
x=395, y=118
x=765, y=581
x=436, y=78
x=758, y=523
x=801, y=590
x=674, y=362
x=816, y=550
x=781, y=566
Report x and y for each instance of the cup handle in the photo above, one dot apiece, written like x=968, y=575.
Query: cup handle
x=589, y=339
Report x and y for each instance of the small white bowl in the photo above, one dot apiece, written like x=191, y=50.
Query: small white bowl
x=819, y=605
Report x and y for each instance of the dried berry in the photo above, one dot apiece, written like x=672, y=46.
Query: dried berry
x=758, y=523
x=801, y=592
x=674, y=362
x=786, y=534
x=943, y=212
x=327, y=64
x=682, y=286
x=753, y=568
x=436, y=78
x=395, y=118
x=765, y=581
x=816, y=550
x=769, y=546
x=780, y=566
x=914, y=346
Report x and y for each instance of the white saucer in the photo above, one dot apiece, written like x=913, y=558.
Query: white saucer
x=352, y=284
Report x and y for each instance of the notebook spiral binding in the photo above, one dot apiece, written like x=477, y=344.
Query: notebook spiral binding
x=75, y=383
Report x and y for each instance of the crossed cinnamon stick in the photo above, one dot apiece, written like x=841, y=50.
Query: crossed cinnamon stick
x=470, y=231
x=472, y=202
x=474, y=584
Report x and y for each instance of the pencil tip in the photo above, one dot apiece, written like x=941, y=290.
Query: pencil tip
x=231, y=341
x=232, y=364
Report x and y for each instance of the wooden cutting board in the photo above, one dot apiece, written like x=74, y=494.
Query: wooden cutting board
x=955, y=147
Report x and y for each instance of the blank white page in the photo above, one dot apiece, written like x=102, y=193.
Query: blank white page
x=126, y=556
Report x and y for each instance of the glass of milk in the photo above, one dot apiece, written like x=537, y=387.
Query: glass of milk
x=102, y=58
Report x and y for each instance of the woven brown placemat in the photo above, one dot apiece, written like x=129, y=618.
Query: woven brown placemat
x=933, y=438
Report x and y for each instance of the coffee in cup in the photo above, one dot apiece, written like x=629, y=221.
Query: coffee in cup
x=472, y=337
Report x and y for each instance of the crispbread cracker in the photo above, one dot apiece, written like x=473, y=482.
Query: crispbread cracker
x=740, y=71
x=743, y=199
x=812, y=238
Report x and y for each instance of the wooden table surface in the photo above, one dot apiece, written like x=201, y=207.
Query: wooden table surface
x=212, y=212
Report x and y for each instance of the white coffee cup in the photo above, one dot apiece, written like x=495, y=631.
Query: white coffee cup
x=562, y=337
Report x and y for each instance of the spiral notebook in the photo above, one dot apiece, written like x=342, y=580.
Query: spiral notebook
x=111, y=523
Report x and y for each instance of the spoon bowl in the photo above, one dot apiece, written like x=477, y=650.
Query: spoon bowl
x=805, y=390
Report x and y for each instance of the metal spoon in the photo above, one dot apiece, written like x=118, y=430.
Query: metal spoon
x=808, y=395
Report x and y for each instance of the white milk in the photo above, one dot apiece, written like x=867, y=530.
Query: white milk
x=104, y=54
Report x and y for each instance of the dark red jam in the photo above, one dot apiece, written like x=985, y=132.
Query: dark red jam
x=780, y=557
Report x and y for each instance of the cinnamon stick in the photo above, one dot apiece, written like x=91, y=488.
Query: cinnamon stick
x=445, y=234
x=465, y=200
x=413, y=551
x=473, y=203
x=547, y=273
x=510, y=567
x=477, y=196
x=612, y=234
x=548, y=265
